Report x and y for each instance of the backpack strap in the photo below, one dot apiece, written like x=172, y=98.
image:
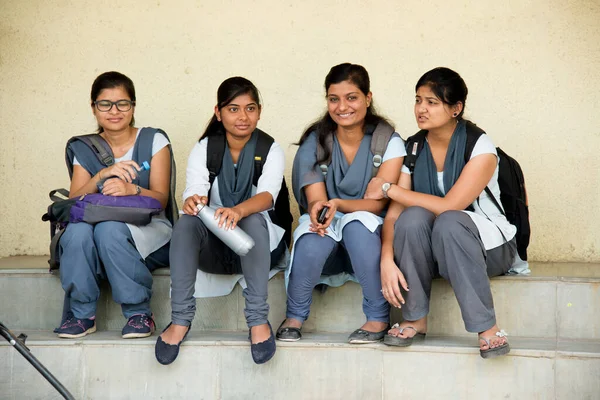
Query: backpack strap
x=473, y=134
x=414, y=145
x=263, y=146
x=214, y=157
x=96, y=144
x=381, y=137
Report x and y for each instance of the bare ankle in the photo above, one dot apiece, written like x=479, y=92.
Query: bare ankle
x=292, y=323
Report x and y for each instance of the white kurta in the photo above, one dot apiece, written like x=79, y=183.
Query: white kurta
x=211, y=285
x=489, y=220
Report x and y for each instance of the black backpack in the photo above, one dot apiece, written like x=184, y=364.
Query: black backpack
x=281, y=214
x=511, y=181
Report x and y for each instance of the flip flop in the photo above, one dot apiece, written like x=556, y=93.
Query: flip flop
x=397, y=341
x=496, y=351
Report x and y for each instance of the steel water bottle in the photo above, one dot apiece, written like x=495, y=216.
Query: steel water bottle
x=236, y=239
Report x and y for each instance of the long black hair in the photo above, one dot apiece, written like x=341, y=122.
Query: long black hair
x=325, y=126
x=111, y=80
x=229, y=90
x=447, y=85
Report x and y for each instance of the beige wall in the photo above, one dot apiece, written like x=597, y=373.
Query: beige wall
x=532, y=67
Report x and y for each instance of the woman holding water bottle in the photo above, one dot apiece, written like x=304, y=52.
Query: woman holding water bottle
x=238, y=203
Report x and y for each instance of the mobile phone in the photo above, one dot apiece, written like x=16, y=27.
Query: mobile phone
x=321, y=217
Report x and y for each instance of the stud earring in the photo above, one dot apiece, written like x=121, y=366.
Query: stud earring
x=454, y=115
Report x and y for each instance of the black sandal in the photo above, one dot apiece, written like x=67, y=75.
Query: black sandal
x=288, y=334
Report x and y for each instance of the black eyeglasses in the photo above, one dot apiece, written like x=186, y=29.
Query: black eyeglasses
x=107, y=105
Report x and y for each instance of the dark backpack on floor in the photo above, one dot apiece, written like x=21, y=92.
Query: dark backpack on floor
x=511, y=181
x=281, y=214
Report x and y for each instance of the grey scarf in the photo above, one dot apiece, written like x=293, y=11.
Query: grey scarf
x=349, y=181
x=235, y=184
x=425, y=173
x=343, y=181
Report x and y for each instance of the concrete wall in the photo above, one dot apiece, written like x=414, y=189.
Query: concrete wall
x=532, y=68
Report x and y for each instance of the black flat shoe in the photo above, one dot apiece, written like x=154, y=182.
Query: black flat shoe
x=360, y=336
x=263, y=351
x=288, y=334
x=167, y=353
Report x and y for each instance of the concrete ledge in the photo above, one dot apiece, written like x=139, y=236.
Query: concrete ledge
x=217, y=365
x=542, y=305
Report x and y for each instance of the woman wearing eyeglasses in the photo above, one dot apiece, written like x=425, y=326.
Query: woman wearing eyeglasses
x=122, y=253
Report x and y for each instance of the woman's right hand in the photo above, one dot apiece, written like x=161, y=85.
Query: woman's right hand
x=190, y=205
x=315, y=209
x=391, y=280
x=125, y=170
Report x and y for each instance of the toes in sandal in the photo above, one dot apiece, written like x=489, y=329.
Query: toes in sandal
x=361, y=336
x=495, y=351
x=392, y=340
x=288, y=334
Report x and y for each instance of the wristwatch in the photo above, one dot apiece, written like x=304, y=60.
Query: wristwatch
x=384, y=188
x=138, y=189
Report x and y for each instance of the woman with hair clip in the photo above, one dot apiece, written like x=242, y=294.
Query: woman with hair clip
x=447, y=225
x=238, y=203
x=124, y=254
x=338, y=235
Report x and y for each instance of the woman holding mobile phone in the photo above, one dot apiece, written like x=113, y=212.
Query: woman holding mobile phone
x=337, y=238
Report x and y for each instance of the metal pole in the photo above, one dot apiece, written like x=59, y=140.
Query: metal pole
x=21, y=348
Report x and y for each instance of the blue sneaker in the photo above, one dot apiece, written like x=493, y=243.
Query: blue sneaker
x=74, y=328
x=138, y=326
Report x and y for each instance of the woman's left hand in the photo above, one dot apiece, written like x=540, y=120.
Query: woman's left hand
x=374, y=191
x=118, y=187
x=228, y=217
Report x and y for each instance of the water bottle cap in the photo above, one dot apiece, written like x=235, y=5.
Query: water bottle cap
x=145, y=166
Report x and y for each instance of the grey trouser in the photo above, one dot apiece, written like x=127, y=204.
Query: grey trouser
x=193, y=246
x=426, y=247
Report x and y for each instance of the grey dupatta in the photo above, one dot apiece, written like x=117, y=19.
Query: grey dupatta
x=235, y=184
x=343, y=181
x=425, y=174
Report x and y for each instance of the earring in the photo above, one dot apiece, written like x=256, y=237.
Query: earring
x=454, y=115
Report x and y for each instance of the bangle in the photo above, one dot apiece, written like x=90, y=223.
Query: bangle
x=138, y=189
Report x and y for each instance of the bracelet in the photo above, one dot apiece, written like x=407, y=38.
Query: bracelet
x=138, y=189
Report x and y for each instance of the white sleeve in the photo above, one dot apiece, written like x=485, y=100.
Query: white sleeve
x=158, y=143
x=405, y=170
x=484, y=145
x=75, y=161
x=196, y=174
x=395, y=148
x=272, y=175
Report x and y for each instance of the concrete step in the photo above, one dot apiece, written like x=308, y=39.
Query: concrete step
x=558, y=301
x=218, y=365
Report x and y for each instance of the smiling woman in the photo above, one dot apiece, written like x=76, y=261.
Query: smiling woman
x=120, y=252
x=331, y=171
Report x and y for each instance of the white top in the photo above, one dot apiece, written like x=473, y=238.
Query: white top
x=210, y=285
x=157, y=233
x=269, y=181
x=394, y=149
x=488, y=219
